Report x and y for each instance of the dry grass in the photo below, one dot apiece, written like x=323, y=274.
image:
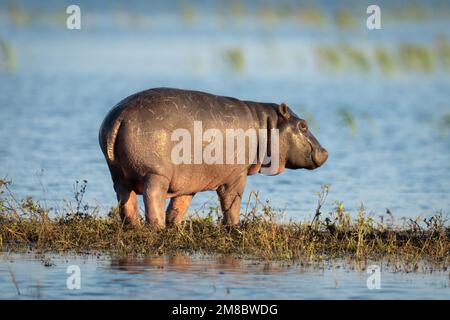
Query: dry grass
x=25, y=225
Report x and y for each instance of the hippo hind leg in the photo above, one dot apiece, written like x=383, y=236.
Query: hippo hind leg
x=230, y=196
x=154, y=194
x=177, y=208
x=128, y=205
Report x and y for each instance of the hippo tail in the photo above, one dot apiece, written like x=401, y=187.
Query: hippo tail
x=108, y=137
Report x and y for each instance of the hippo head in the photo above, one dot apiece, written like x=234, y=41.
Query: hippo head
x=298, y=146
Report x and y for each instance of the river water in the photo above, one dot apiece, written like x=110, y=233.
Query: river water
x=185, y=277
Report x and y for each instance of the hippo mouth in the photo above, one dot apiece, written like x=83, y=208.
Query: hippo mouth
x=314, y=164
x=318, y=157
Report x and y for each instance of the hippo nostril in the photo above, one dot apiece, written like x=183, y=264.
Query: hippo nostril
x=320, y=155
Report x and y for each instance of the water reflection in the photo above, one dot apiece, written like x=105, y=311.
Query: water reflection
x=203, y=277
x=187, y=263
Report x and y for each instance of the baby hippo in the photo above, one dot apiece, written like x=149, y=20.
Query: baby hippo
x=171, y=143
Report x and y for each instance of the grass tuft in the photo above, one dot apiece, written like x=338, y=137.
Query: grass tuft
x=7, y=57
x=235, y=59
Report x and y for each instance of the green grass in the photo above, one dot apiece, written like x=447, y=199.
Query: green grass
x=18, y=15
x=309, y=117
x=344, y=19
x=235, y=59
x=416, y=57
x=348, y=120
x=357, y=59
x=385, y=60
x=328, y=58
x=443, y=124
x=443, y=52
x=310, y=16
x=7, y=57
x=404, y=57
x=188, y=13
x=25, y=225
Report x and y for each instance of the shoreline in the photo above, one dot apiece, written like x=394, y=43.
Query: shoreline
x=25, y=225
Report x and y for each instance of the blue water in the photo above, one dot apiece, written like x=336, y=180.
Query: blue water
x=184, y=277
x=395, y=155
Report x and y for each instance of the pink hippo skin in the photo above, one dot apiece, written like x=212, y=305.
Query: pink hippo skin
x=135, y=138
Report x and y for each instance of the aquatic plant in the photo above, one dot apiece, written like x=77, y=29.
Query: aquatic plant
x=410, y=57
x=188, y=13
x=7, y=57
x=385, y=60
x=344, y=19
x=79, y=191
x=411, y=12
x=446, y=120
x=328, y=58
x=309, y=117
x=356, y=59
x=237, y=9
x=235, y=59
x=416, y=57
x=17, y=15
x=443, y=124
x=124, y=18
x=310, y=16
x=25, y=225
x=268, y=15
x=231, y=13
x=348, y=119
x=443, y=51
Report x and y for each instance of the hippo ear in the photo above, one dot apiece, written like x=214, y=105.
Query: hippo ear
x=283, y=110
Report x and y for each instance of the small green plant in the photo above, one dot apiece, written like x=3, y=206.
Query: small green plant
x=385, y=61
x=309, y=117
x=310, y=16
x=328, y=58
x=321, y=198
x=7, y=57
x=416, y=58
x=79, y=191
x=188, y=13
x=213, y=211
x=356, y=59
x=344, y=19
x=235, y=58
x=443, y=51
x=348, y=119
x=17, y=15
x=443, y=124
x=237, y=10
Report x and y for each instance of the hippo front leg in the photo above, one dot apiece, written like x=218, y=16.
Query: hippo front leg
x=230, y=196
x=154, y=194
x=177, y=208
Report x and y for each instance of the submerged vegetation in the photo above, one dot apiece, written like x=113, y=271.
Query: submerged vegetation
x=444, y=124
x=235, y=59
x=384, y=60
x=348, y=120
x=7, y=57
x=26, y=225
x=416, y=57
x=405, y=57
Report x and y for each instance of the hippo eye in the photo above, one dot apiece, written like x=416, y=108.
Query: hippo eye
x=303, y=127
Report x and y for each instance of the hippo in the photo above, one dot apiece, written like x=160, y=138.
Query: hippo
x=138, y=140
